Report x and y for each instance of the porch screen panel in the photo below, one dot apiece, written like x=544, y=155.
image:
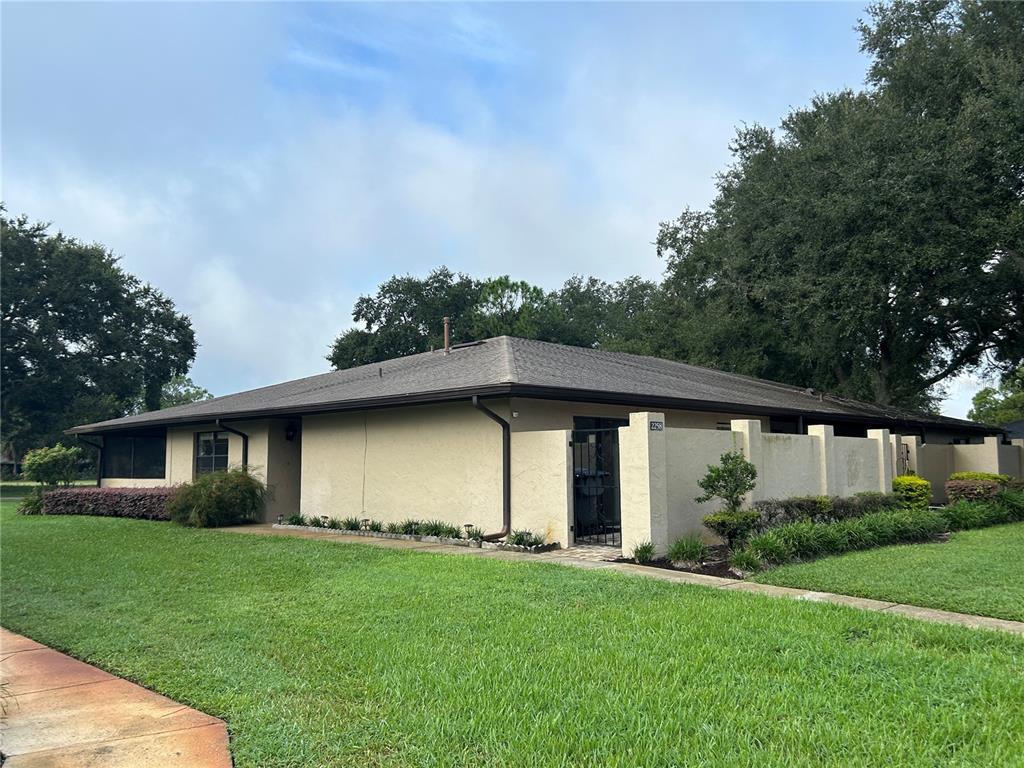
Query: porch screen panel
x=117, y=457
x=149, y=460
x=134, y=456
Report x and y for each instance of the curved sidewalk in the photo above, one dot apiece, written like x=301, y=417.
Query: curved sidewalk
x=59, y=712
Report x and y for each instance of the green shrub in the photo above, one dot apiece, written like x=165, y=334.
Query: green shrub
x=409, y=527
x=440, y=528
x=219, y=498
x=1013, y=502
x=688, y=549
x=475, y=534
x=806, y=540
x=393, y=528
x=32, y=502
x=745, y=561
x=351, y=523
x=525, y=538
x=964, y=514
x=296, y=519
x=52, y=466
x=972, y=490
x=914, y=492
x=734, y=527
x=989, y=476
x=729, y=481
x=769, y=547
x=315, y=521
x=376, y=525
x=643, y=552
x=866, y=502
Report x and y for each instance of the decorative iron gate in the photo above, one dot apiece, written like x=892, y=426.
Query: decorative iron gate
x=595, y=459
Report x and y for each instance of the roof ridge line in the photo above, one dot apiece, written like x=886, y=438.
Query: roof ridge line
x=511, y=367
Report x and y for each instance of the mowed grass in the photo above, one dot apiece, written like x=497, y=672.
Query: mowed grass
x=980, y=572
x=326, y=654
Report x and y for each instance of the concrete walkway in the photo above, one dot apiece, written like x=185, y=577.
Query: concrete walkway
x=584, y=557
x=59, y=712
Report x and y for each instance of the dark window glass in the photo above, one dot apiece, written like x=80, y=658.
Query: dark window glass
x=150, y=457
x=135, y=456
x=117, y=457
x=211, y=452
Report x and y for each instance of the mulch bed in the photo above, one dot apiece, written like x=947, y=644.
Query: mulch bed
x=716, y=564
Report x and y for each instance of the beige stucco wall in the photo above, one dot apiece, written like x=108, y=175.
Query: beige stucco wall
x=542, y=484
x=790, y=465
x=689, y=452
x=935, y=462
x=855, y=467
x=441, y=461
x=127, y=482
x=660, y=485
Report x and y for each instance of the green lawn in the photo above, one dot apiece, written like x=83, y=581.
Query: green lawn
x=326, y=654
x=979, y=572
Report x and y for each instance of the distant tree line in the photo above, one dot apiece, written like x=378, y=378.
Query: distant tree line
x=872, y=246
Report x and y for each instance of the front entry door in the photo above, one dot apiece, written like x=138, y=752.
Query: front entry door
x=595, y=470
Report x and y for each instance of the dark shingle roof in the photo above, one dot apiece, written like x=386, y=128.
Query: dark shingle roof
x=521, y=367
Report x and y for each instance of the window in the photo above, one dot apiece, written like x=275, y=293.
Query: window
x=211, y=452
x=135, y=456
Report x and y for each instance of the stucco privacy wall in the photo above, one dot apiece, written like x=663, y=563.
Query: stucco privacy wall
x=660, y=468
x=432, y=462
x=936, y=462
x=542, y=483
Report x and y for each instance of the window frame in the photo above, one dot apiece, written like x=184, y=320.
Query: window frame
x=216, y=437
x=133, y=473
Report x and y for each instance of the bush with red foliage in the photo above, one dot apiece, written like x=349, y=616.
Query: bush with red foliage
x=972, y=490
x=142, y=503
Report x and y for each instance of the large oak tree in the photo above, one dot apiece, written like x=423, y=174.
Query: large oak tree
x=873, y=246
x=83, y=340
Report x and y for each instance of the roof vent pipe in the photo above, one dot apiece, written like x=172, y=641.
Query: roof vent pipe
x=506, y=471
x=447, y=334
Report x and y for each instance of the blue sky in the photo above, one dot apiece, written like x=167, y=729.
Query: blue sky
x=264, y=164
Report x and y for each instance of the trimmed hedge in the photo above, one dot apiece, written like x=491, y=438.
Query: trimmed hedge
x=822, y=509
x=734, y=527
x=972, y=490
x=141, y=503
x=915, y=492
x=1000, y=479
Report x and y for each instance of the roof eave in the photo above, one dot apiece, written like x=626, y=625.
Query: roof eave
x=534, y=391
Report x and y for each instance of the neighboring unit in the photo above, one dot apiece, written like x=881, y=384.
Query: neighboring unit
x=512, y=428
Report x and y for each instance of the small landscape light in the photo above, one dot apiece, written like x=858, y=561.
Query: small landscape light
x=365, y=524
x=280, y=519
x=326, y=520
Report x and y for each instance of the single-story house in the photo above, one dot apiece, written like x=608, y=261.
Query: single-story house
x=490, y=433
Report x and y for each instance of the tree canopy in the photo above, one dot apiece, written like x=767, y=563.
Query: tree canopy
x=406, y=314
x=83, y=340
x=1000, y=405
x=874, y=247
